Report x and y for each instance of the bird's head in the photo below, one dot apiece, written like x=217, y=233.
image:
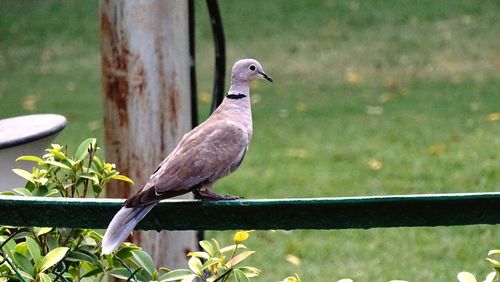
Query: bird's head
x=247, y=70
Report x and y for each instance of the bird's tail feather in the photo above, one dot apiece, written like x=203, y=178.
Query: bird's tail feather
x=121, y=225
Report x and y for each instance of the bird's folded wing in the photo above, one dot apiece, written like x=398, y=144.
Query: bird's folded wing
x=207, y=154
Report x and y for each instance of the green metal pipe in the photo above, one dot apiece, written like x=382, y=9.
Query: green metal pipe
x=314, y=213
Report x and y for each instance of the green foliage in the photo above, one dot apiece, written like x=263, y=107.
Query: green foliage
x=45, y=253
x=58, y=173
x=214, y=263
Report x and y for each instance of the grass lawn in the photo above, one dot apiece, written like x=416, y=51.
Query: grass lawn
x=370, y=98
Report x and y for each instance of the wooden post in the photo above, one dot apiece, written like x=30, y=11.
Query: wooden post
x=146, y=91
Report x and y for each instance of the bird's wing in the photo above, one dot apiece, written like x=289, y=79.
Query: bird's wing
x=205, y=154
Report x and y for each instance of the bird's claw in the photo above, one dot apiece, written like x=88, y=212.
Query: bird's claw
x=206, y=195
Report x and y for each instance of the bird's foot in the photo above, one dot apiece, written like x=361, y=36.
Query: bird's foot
x=207, y=195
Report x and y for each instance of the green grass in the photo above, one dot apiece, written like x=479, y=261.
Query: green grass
x=405, y=85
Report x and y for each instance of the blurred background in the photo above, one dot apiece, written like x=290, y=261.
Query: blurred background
x=370, y=98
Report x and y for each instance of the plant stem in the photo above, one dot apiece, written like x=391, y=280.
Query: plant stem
x=91, y=151
x=224, y=276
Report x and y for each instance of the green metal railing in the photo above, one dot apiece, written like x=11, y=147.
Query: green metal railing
x=315, y=213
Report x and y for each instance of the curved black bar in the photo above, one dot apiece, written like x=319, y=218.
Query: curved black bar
x=220, y=53
x=192, y=66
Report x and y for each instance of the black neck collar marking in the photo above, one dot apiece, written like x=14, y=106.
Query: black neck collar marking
x=235, y=96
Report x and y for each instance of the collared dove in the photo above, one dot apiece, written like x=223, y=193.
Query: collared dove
x=210, y=151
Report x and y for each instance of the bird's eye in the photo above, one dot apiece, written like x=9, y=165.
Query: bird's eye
x=252, y=67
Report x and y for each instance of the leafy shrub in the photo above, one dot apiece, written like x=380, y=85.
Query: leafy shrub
x=67, y=254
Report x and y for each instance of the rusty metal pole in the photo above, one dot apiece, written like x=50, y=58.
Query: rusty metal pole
x=147, y=105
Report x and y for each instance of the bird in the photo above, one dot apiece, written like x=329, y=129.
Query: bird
x=208, y=152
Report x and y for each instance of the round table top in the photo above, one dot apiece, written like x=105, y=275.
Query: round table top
x=23, y=129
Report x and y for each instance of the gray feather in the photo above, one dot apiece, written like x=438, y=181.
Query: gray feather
x=122, y=224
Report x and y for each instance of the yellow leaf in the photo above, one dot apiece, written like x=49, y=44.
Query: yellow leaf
x=205, y=97
x=353, y=78
x=475, y=106
x=386, y=97
x=293, y=259
x=437, y=149
x=374, y=110
x=283, y=113
x=301, y=107
x=493, y=117
x=375, y=164
x=30, y=103
x=392, y=82
x=256, y=98
x=298, y=153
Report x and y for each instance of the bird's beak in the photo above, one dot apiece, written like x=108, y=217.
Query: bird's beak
x=265, y=76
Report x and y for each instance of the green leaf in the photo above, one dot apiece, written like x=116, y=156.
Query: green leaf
x=23, y=191
x=26, y=275
x=176, y=275
x=52, y=240
x=195, y=265
x=207, y=246
x=21, y=235
x=40, y=191
x=495, y=263
x=82, y=255
x=126, y=251
x=144, y=260
x=83, y=148
x=122, y=178
x=491, y=277
x=9, y=245
x=90, y=176
x=164, y=269
x=44, y=277
x=22, y=248
x=239, y=258
x=493, y=252
x=240, y=276
x=56, y=151
x=94, y=235
x=58, y=164
x=202, y=255
x=23, y=263
x=52, y=258
x=42, y=230
x=30, y=158
x=216, y=247
x=250, y=271
x=51, y=193
x=24, y=174
x=97, y=163
x=189, y=278
x=120, y=273
x=34, y=249
x=232, y=247
x=93, y=272
x=212, y=261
